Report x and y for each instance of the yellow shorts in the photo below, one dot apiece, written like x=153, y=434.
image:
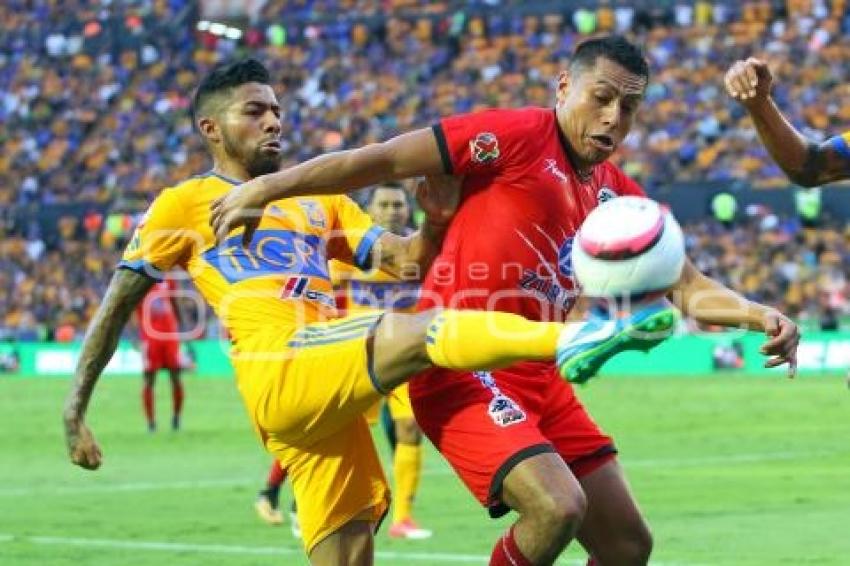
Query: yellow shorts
x=306, y=393
x=399, y=403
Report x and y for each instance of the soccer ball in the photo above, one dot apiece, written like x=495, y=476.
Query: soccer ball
x=628, y=246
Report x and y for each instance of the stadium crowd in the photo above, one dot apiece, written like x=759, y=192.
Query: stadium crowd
x=98, y=112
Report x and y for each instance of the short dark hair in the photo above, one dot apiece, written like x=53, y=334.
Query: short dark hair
x=615, y=48
x=225, y=77
x=392, y=185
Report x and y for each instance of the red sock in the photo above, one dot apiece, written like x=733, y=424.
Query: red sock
x=506, y=552
x=177, y=397
x=277, y=476
x=147, y=402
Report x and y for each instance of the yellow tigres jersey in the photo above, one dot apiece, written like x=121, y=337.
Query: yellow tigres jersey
x=281, y=279
x=359, y=291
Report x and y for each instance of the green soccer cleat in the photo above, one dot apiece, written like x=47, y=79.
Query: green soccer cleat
x=580, y=353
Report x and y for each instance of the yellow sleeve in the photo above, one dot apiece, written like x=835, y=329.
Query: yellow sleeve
x=340, y=272
x=841, y=144
x=353, y=235
x=161, y=240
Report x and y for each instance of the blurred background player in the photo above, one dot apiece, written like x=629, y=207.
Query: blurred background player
x=360, y=292
x=267, y=504
x=159, y=337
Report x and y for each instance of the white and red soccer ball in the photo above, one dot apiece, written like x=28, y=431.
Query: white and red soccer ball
x=628, y=246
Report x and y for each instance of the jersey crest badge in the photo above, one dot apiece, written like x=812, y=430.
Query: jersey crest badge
x=314, y=213
x=605, y=194
x=484, y=148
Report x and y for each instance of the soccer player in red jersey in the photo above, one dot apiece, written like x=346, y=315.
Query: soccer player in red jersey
x=518, y=437
x=159, y=326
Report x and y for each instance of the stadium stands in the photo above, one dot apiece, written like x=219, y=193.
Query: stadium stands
x=95, y=116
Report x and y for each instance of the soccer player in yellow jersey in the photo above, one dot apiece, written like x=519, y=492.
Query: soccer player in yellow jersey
x=805, y=162
x=305, y=378
x=359, y=292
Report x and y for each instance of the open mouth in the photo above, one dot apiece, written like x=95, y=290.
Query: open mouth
x=272, y=146
x=603, y=141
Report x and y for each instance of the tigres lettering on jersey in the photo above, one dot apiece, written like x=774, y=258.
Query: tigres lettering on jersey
x=280, y=279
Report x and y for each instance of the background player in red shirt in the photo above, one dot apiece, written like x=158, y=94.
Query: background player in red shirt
x=519, y=438
x=159, y=329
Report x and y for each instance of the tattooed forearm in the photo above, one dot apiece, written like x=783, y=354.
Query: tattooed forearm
x=125, y=291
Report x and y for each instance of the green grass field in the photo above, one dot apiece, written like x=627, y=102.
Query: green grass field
x=728, y=470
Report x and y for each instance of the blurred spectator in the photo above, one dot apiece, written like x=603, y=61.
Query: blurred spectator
x=94, y=101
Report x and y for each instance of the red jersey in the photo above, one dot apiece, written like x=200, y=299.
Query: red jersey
x=508, y=247
x=157, y=319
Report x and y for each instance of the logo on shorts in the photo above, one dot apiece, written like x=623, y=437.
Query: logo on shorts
x=502, y=409
x=484, y=148
x=605, y=194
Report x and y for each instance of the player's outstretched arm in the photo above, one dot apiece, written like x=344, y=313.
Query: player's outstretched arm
x=710, y=302
x=408, y=155
x=409, y=257
x=805, y=162
x=125, y=291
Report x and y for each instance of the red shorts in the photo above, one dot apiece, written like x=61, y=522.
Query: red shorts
x=485, y=423
x=159, y=354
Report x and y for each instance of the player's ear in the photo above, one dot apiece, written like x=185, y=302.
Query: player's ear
x=209, y=129
x=563, y=86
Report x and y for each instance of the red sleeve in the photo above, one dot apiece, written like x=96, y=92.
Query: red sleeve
x=484, y=142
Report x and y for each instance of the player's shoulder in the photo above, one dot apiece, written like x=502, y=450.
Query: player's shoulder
x=201, y=186
x=613, y=181
x=526, y=118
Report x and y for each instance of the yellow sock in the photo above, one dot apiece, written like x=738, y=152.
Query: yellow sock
x=407, y=464
x=486, y=340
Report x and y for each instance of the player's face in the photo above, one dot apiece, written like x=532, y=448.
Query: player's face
x=250, y=129
x=596, y=108
x=389, y=209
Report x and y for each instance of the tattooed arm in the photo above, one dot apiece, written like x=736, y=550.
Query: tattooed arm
x=125, y=291
x=409, y=257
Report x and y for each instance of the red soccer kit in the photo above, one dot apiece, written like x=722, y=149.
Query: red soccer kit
x=508, y=249
x=158, y=328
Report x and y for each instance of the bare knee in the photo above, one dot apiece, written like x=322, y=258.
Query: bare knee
x=562, y=511
x=633, y=547
x=399, y=347
x=351, y=545
x=544, y=492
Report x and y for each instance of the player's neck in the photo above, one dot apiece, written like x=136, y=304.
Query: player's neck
x=231, y=171
x=583, y=170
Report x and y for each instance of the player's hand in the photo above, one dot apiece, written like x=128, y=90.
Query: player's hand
x=241, y=206
x=438, y=197
x=749, y=81
x=82, y=447
x=784, y=336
